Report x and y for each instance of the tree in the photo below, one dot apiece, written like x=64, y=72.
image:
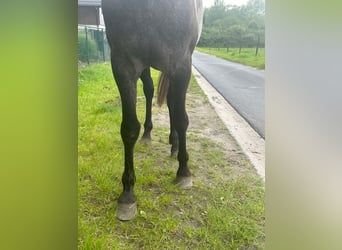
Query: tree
x=234, y=26
x=237, y=32
x=218, y=3
x=256, y=6
x=213, y=14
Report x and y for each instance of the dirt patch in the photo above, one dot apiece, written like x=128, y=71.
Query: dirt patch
x=207, y=134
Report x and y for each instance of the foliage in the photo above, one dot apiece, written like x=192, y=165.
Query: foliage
x=87, y=48
x=234, y=26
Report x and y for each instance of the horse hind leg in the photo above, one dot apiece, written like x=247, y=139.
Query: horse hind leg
x=148, y=91
x=173, y=137
x=179, y=84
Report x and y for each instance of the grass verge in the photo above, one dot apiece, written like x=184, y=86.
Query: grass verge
x=224, y=209
x=247, y=55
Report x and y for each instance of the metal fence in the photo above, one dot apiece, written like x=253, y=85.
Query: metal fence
x=92, y=44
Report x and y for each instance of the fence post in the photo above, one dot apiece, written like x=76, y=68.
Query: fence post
x=103, y=45
x=87, y=52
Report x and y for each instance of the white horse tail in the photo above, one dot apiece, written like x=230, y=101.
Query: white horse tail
x=163, y=88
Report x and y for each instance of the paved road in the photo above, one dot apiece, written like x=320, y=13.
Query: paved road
x=242, y=86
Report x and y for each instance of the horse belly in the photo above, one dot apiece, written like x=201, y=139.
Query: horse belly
x=157, y=33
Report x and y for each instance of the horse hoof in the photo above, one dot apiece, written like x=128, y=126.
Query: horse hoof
x=145, y=140
x=126, y=212
x=184, y=182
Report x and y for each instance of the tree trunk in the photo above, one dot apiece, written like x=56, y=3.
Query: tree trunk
x=257, y=46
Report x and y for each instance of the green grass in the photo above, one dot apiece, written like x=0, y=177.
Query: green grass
x=247, y=55
x=224, y=209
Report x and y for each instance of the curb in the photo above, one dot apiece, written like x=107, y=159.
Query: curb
x=250, y=141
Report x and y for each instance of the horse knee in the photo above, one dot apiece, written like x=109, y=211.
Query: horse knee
x=130, y=132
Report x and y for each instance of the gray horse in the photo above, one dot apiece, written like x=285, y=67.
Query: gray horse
x=152, y=33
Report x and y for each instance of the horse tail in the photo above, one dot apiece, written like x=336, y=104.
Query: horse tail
x=163, y=87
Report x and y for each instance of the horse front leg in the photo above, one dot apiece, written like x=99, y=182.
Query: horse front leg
x=127, y=206
x=148, y=91
x=130, y=128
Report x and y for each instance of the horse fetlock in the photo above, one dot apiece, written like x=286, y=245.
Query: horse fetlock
x=183, y=171
x=127, y=197
x=145, y=139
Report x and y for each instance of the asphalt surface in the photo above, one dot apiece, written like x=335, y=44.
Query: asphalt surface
x=242, y=86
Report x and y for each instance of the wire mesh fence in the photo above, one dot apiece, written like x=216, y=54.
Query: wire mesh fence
x=92, y=44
